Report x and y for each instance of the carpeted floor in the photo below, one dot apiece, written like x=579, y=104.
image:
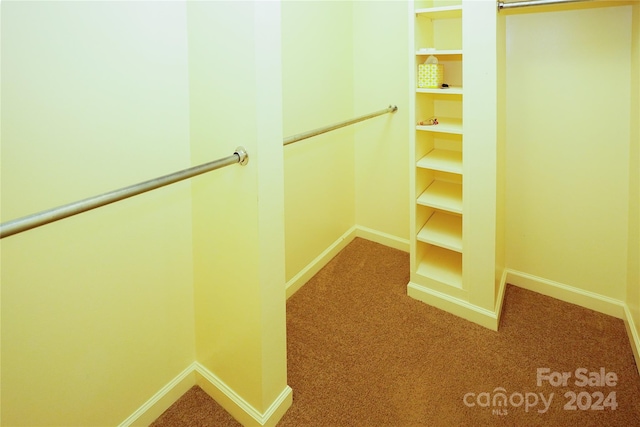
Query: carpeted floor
x=362, y=353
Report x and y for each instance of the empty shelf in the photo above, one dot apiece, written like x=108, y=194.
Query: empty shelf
x=443, y=230
x=442, y=195
x=442, y=160
x=442, y=265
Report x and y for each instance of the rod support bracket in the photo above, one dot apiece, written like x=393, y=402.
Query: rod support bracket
x=243, y=156
x=394, y=108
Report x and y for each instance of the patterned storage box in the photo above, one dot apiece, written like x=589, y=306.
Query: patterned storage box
x=430, y=75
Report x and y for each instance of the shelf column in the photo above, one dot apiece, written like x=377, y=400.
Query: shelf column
x=484, y=140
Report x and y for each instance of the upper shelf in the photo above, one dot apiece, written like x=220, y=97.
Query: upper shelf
x=451, y=90
x=443, y=12
x=439, y=52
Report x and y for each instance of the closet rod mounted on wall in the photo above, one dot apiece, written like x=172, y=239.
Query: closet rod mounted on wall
x=25, y=223
x=299, y=137
x=516, y=4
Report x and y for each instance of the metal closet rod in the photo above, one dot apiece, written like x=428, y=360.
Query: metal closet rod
x=299, y=137
x=516, y=4
x=28, y=222
x=25, y=223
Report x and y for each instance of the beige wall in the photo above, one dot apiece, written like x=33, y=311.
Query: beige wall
x=381, y=77
x=567, y=177
x=633, y=278
x=97, y=310
x=238, y=226
x=317, y=88
x=340, y=62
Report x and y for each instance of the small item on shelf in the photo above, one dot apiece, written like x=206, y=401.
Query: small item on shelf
x=429, y=122
x=445, y=86
x=430, y=74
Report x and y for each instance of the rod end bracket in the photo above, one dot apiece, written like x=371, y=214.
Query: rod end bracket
x=243, y=156
x=394, y=108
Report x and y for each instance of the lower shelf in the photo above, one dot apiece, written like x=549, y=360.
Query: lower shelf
x=443, y=230
x=442, y=265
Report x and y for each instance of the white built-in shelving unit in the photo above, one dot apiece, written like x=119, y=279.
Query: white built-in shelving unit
x=438, y=208
x=457, y=202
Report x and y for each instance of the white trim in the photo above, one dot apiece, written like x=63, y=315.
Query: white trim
x=632, y=332
x=171, y=392
x=500, y=297
x=154, y=407
x=311, y=269
x=385, y=239
x=566, y=293
x=279, y=405
x=297, y=281
x=458, y=307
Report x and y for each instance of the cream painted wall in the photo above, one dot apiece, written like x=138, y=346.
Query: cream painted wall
x=633, y=278
x=568, y=135
x=238, y=214
x=97, y=310
x=380, y=78
x=317, y=88
x=337, y=64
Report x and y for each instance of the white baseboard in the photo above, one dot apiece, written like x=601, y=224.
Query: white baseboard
x=239, y=408
x=297, y=281
x=634, y=337
x=382, y=238
x=570, y=294
x=456, y=306
x=502, y=287
x=163, y=399
x=460, y=307
x=196, y=374
x=582, y=298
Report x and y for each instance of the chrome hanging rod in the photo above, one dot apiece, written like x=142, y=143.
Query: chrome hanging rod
x=299, y=137
x=516, y=4
x=25, y=223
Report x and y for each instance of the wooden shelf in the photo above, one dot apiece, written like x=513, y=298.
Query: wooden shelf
x=443, y=12
x=442, y=160
x=452, y=90
x=445, y=125
x=437, y=52
x=443, y=195
x=442, y=265
x=443, y=230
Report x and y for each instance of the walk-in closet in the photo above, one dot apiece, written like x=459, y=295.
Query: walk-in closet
x=174, y=174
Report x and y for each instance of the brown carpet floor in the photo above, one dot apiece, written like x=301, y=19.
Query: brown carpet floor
x=362, y=353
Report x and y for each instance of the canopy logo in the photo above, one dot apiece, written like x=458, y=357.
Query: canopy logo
x=499, y=400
